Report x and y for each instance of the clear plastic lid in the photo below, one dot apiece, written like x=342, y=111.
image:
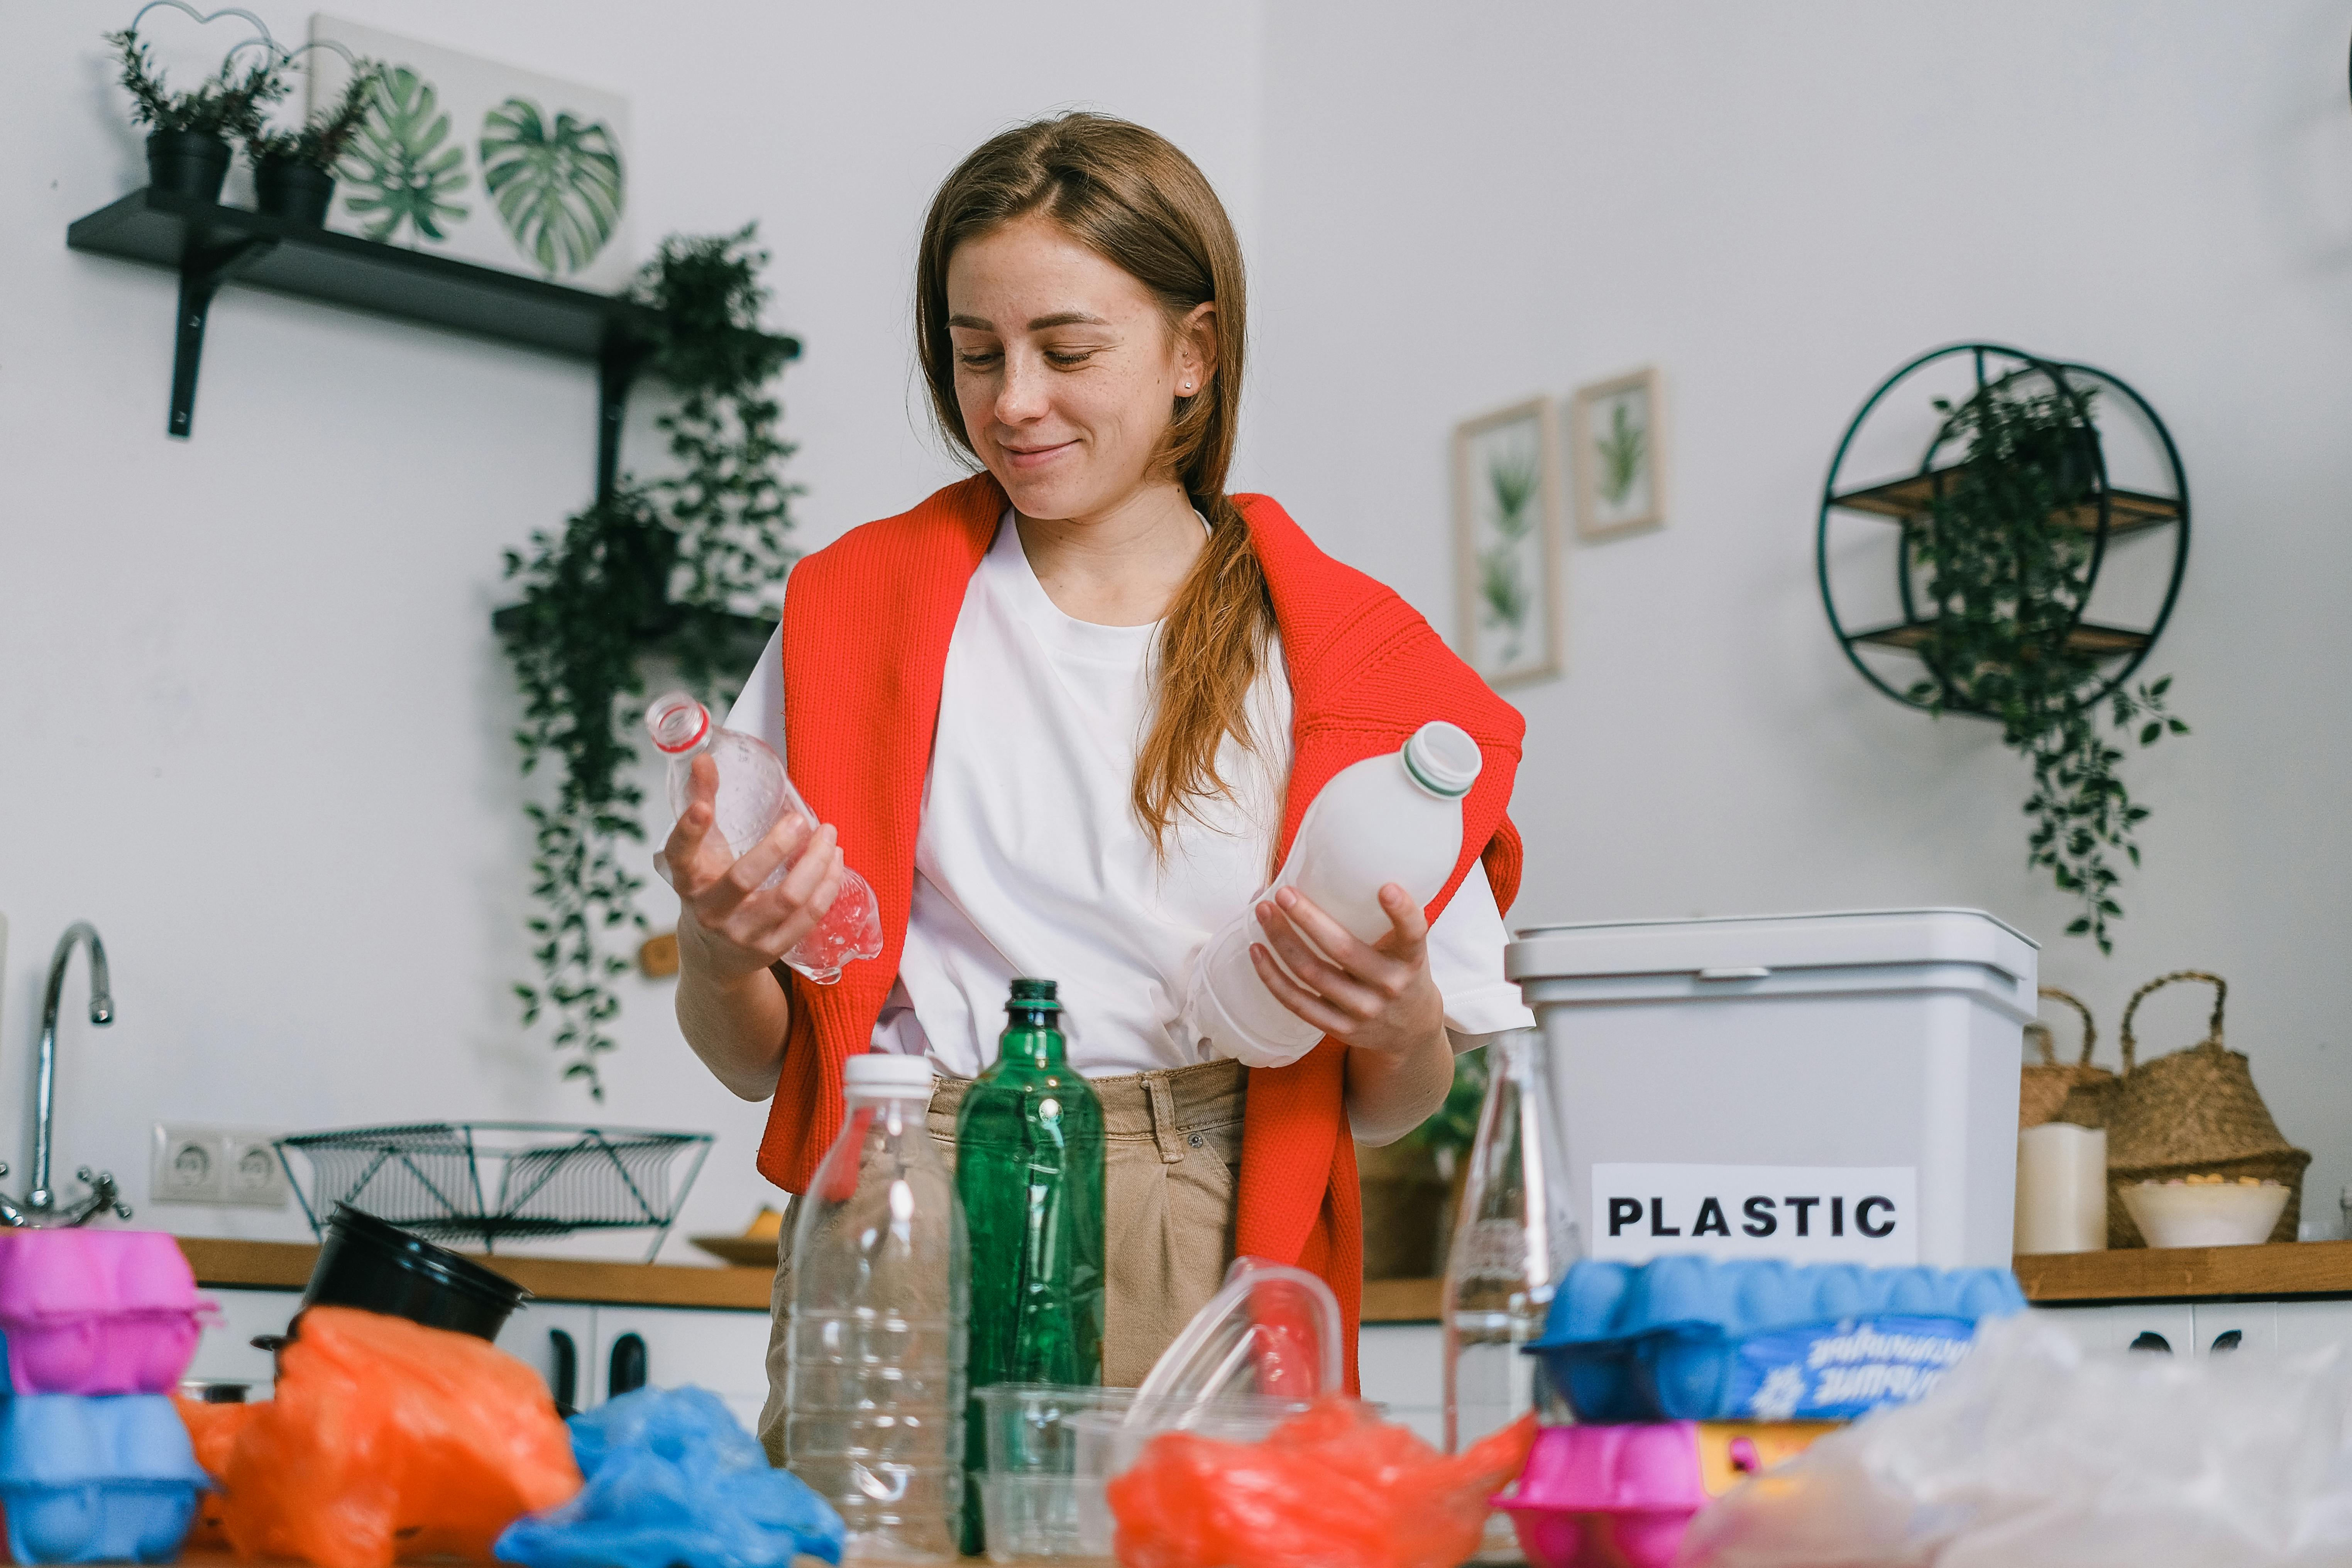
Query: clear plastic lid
x=677, y=723
x=1272, y=1333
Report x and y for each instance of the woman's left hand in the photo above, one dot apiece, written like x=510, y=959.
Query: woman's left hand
x=1374, y=997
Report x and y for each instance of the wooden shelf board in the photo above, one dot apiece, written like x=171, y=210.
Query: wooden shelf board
x=286, y=1265
x=2188, y=1273
x=1899, y=501
x=2104, y=642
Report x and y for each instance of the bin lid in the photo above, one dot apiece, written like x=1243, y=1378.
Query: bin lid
x=1832, y=939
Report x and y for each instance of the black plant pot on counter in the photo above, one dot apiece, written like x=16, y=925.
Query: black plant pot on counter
x=187, y=163
x=298, y=191
x=378, y=1267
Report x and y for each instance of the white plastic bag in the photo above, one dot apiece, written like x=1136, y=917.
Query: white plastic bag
x=2034, y=1454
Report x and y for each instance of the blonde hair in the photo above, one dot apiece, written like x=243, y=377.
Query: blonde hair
x=1130, y=196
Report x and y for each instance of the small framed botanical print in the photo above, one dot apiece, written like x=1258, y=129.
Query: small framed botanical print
x=1617, y=453
x=1507, y=512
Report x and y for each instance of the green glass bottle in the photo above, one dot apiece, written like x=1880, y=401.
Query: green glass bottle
x=1029, y=1171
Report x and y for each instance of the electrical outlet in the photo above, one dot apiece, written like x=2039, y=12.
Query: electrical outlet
x=251, y=1172
x=187, y=1168
x=197, y=1164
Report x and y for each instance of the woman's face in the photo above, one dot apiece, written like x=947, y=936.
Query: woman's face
x=1066, y=371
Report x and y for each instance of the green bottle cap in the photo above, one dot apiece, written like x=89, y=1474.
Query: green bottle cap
x=1033, y=993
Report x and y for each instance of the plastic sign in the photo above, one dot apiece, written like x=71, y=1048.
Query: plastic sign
x=1804, y=1214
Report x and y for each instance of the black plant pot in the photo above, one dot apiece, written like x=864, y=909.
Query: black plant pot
x=187, y=163
x=297, y=192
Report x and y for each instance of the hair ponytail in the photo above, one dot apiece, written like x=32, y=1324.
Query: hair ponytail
x=1130, y=196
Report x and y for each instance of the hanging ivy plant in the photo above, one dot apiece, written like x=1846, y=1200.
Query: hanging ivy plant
x=660, y=563
x=2004, y=557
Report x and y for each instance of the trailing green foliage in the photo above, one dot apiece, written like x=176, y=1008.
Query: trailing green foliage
x=228, y=104
x=321, y=140
x=2005, y=555
x=656, y=559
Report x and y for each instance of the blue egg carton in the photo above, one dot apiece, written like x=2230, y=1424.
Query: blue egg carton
x=1687, y=1338
x=106, y=1479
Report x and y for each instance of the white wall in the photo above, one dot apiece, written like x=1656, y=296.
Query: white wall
x=256, y=725
x=1778, y=205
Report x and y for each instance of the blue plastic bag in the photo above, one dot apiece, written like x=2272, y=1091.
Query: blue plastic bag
x=672, y=1479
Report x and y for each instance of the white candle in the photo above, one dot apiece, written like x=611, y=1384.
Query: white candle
x=2062, y=1188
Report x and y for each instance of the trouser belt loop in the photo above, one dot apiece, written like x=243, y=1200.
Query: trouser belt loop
x=1164, y=1120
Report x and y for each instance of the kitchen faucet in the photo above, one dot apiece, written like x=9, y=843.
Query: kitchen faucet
x=40, y=1204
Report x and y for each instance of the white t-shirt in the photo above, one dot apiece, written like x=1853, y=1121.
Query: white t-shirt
x=1029, y=859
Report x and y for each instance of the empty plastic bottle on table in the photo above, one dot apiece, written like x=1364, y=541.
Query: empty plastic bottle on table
x=875, y=1383
x=753, y=792
x=1029, y=1169
x=1514, y=1239
x=1396, y=818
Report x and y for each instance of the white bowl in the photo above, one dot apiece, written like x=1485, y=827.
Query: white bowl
x=2224, y=1214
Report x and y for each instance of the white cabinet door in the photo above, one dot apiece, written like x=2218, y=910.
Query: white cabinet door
x=2224, y=1327
x=226, y=1355
x=2165, y=1327
x=2314, y=1325
x=724, y=1351
x=531, y=1336
x=1402, y=1366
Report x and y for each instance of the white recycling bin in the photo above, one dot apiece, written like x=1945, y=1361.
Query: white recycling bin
x=1817, y=1088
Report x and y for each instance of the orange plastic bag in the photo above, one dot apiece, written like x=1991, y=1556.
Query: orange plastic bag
x=389, y=1440
x=212, y=1431
x=1332, y=1489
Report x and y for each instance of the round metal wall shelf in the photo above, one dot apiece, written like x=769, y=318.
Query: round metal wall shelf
x=2111, y=513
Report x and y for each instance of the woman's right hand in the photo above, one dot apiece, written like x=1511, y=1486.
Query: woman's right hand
x=729, y=927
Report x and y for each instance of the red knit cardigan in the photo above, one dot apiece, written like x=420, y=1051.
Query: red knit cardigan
x=866, y=629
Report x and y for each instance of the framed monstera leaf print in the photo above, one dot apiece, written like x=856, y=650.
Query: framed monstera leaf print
x=480, y=161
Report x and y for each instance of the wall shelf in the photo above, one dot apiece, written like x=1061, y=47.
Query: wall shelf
x=209, y=245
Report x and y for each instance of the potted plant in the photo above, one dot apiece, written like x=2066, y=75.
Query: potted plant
x=294, y=170
x=188, y=150
x=2005, y=559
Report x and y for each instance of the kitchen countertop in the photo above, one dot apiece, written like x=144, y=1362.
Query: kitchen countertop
x=286, y=1265
x=2126, y=1274
x=2132, y=1274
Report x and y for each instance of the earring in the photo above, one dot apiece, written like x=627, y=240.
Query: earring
x=1186, y=389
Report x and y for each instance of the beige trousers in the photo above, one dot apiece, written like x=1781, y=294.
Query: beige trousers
x=1172, y=1151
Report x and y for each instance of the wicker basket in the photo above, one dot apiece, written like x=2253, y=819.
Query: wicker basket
x=2045, y=1084
x=2194, y=1112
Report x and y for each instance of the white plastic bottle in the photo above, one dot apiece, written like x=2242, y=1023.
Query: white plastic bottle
x=753, y=794
x=874, y=1385
x=1390, y=818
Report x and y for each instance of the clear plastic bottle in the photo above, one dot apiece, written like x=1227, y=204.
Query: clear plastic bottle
x=1514, y=1239
x=753, y=792
x=874, y=1389
x=1390, y=818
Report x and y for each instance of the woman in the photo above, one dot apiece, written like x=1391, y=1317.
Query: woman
x=1065, y=716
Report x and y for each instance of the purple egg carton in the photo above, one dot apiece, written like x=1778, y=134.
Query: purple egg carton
x=96, y=1480
x=97, y=1311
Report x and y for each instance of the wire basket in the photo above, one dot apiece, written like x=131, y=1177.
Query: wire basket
x=495, y=1181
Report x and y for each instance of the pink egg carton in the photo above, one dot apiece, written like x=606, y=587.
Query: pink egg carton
x=1622, y=1496
x=98, y=1311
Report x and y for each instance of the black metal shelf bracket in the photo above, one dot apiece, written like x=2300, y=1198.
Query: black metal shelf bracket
x=617, y=363
x=203, y=269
